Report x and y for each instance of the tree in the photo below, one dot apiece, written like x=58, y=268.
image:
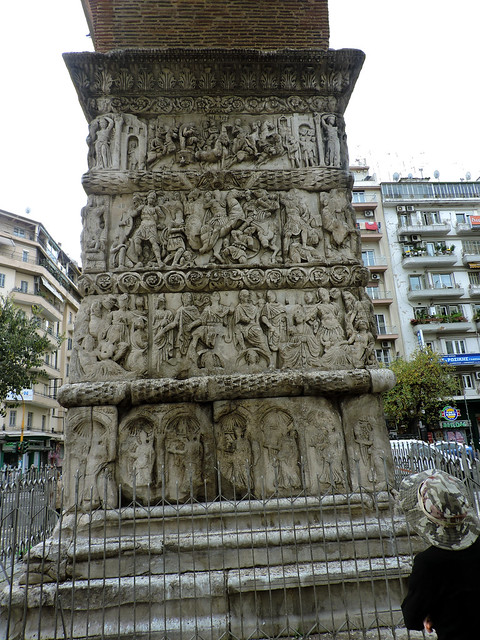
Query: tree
x=425, y=384
x=22, y=350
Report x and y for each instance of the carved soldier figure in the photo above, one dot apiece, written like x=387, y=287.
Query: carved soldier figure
x=149, y=214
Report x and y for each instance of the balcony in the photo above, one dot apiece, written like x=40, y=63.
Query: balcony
x=470, y=257
x=474, y=290
x=420, y=258
x=376, y=263
x=436, y=293
x=378, y=296
x=454, y=323
x=425, y=230
x=364, y=202
x=46, y=308
x=386, y=332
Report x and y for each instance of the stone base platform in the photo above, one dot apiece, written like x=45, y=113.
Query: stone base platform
x=243, y=569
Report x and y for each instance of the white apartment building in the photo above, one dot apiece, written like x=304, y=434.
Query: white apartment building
x=38, y=275
x=367, y=202
x=433, y=231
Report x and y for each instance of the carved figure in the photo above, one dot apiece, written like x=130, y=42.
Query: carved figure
x=247, y=333
x=274, y=317
x=205, y=333
x=308, y=145
x=337, y=225
x=186, y=316
x=302, y=348
x=101, y=141
x=217, y=224
x=149, y=215
x=162, y=341
x=332, y=141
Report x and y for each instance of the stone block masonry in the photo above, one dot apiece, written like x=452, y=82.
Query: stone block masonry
x=205, y=24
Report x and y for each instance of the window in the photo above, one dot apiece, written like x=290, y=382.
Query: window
x=2, y=280
x=358, y=196
x=460, y=218
x=430, y=247
x=69, y=344
x=47, y=358
x=67, y=369
x=373, y=293
x=25, y=256
x=471, y=246
x=380, y=322
x=368, y=258
x=431, y=217
x=474, y=277
x=467, y=381
x=12, y=418
x=448, y=309
x=44, y=422
x=442, y=280
x=70, y=317
x=416, y=283
x=455, y=346
x=19, y=232
x=29, y=419
x=383, y=356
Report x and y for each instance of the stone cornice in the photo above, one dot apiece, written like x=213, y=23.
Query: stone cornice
x=127, y=74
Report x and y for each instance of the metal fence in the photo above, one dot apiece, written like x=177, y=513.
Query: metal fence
x=332, y=566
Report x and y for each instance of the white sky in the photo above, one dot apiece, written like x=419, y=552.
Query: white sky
x=414, y=107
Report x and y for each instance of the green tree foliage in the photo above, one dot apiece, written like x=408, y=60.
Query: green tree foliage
x=22, y=350
x=425, y=384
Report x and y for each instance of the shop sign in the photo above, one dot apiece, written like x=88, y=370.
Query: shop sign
x=457, y=424
x=450, y=413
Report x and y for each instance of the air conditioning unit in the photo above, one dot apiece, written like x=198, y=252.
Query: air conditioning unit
x=410, y=208
x=374, y=276
x=416, y=238
x=403, y=239
x=368, y=214
x=401, y=209
x=477, y=375
x=385, y=344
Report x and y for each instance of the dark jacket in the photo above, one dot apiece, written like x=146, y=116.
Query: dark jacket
x=445, y=585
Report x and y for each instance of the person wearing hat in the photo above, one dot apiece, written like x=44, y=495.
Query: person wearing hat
x=444, y=586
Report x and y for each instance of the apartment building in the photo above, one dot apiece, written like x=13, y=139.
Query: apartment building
x=433, y=230
x=367, y=203
x=38, y=276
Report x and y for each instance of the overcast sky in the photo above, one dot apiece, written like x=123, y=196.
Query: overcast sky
x=415, y=106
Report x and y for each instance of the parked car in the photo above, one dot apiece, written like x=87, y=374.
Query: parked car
x=458, y=457
x=412, y=456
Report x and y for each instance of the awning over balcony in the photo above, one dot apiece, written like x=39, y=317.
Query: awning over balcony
x=52, y=289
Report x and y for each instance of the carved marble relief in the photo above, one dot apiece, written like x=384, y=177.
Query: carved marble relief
x=216, y=142
x=166, y=452
x=91, y=456
x=117, y=141
x=367, y=441
x=190, y=334
x=281, y=445
x=240, y=227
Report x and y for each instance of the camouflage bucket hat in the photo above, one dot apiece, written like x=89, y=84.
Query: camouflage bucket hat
x=437, y=507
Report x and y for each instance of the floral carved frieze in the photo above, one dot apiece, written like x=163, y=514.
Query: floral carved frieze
x=223, y=279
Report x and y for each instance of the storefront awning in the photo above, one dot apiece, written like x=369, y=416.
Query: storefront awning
x=48, y=286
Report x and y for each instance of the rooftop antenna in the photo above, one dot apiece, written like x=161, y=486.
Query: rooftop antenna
x=27, y=210
x=436, y=174
x=468, y=175
x=396, y=176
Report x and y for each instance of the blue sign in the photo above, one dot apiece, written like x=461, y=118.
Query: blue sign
x=462, y=358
